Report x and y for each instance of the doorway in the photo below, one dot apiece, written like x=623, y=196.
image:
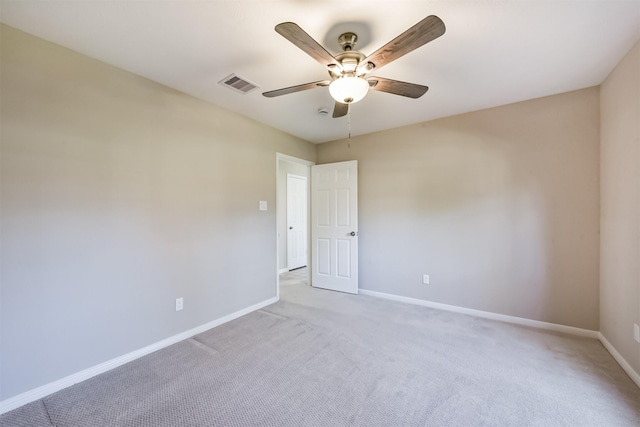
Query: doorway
x=292, y=244
x=334, y=190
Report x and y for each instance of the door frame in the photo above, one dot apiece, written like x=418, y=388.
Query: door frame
x=290, y=159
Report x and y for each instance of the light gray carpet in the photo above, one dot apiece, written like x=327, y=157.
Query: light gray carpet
x=321, y=358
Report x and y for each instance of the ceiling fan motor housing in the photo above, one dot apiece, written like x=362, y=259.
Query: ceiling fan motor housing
x=349, y=61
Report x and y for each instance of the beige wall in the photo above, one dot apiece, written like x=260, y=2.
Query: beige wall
x=499, y=206
x=620, y=210
x=120, y=195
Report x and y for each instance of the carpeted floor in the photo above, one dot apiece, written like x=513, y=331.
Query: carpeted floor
x=321, y=358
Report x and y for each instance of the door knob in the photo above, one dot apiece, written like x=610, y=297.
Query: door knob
x=353, y=233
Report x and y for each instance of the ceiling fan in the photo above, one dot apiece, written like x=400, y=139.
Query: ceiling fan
x=349, y=69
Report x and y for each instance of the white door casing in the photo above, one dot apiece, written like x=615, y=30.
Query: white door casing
x=334, y=226
x=296, y=221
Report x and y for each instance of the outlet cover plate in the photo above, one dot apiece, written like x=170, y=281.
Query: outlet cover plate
x=179, y=304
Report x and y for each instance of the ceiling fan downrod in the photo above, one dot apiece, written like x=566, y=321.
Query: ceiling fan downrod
x=347, y=41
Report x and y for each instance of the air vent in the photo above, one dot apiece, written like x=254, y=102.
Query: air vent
x=238, y=84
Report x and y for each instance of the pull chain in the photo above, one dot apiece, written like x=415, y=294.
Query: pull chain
x=349, y=120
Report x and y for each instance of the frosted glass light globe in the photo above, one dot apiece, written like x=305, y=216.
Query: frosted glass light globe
x=348, y=90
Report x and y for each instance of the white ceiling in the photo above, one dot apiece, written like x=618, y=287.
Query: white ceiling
x=493, y=52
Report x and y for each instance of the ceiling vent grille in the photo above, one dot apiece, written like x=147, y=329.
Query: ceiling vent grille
x=238, y=84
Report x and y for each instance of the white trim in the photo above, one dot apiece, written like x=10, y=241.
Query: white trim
x=635, y=377
x=308, y=164
x=286, y=157
x=297, y=176
x=621, y=361
x=47, y=389
x=486, y=314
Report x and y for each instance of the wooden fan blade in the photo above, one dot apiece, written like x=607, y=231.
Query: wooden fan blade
x=298, y=37
x=423, y=32
x=340, y=110
x=298, y=88
x=410, y=90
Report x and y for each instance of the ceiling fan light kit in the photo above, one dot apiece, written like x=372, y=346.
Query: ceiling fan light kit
x=348, y=70
x=348, y=89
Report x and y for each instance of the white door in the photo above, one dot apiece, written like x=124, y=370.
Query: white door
x=334, y=226
x=296, y=221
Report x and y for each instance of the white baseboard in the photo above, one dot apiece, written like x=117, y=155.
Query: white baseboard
x=518, y=321
x=621, y=360
x=47, y=389
x=485, y=314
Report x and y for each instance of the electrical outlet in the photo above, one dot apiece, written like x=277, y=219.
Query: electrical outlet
x=636, y=332
x=179, y=304
x=425, y=279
